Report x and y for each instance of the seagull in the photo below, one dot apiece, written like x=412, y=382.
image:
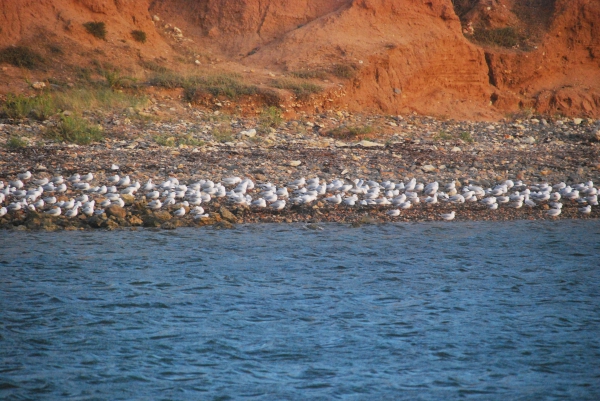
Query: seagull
x=260, y=202
x=279, y=205
x=3, y=211
x=553, y=212
x=448, y=216
x=586, y=210
x=55, y=211
x=154, y=205
x=393, y=213
x=87, y=178
x=179, y=212
x=24, y=176
x=114, y=179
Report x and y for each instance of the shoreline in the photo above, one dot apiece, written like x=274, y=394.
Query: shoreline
x=222, y=217
x=398, y=149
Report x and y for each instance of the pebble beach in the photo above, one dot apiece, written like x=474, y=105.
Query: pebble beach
x=529, y=153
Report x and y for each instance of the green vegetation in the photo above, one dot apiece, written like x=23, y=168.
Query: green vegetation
x=309, y=74
x=97, y=29
x=467, y=137
x=44, y=106
x=442, y=136
x=345, y=71
x=74, y=129
x=301, y=89
x=155, y=67
x=350, y=132
x=270, y=117
x=503, y=37
x=139, y=36
x=16, y=142
x=222, y=134
x=228, y=85
x=115, y=80
x=21, y=56
x=172, y=141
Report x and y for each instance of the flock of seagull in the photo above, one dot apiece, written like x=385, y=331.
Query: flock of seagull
x=40, y=194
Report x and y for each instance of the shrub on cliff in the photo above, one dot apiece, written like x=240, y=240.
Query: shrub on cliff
x=97, y=29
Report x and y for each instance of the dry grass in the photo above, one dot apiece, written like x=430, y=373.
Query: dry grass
x=21, y=56
x=96, y=29
x=502, y=37
x=302, y=89
x=350, y=132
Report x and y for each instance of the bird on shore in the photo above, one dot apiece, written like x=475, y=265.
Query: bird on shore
x=448, y=216
x=179, y=212
x=24, y=176
x=553, y=212
x=393, y=213
x=586, y=209
x=279, y=205
x=55, y=211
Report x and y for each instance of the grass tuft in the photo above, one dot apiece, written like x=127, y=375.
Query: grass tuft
x=21, y=56
x=352, y=132
x=222, y=134
x=503, y=37
x=270, y=117
x=73, y=129
x=302, y=90
x=345, y=71
x=16, y=142
x=309, y=74
x=96, y=29
x=139, y=36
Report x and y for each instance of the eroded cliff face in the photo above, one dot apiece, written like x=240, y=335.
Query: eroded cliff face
x=39, y=22
x=408, y=55
x=563, y=74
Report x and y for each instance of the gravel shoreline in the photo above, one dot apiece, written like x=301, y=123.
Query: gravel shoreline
x=533, y=150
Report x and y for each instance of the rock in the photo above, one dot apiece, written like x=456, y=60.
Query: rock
x=369, y=144
x=135, y=221
x=295, y=163
x=223, y=225
x=38, y=85
x=428, y=168
x=577, y=121
x=251, y=133
x=529, y=140
x=597, y=135
x=197, y=62
x=128, y=199
x=456, y=149
x=162, y=215
x=110, y=224
x=155, y=18
x=227, y=215
x=116, y=211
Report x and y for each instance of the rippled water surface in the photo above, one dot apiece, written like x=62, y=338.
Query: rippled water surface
x=408, y=311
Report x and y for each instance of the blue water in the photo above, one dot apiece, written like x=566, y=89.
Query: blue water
x=382, y=312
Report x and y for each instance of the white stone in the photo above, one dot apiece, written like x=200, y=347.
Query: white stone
x=428, y=168
x=155, y=18
x=369, y=144
x=529, y=140
x=251, y=133
x=38, y=85
x=295, y=163
x=456, y=149
x=577, y=121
